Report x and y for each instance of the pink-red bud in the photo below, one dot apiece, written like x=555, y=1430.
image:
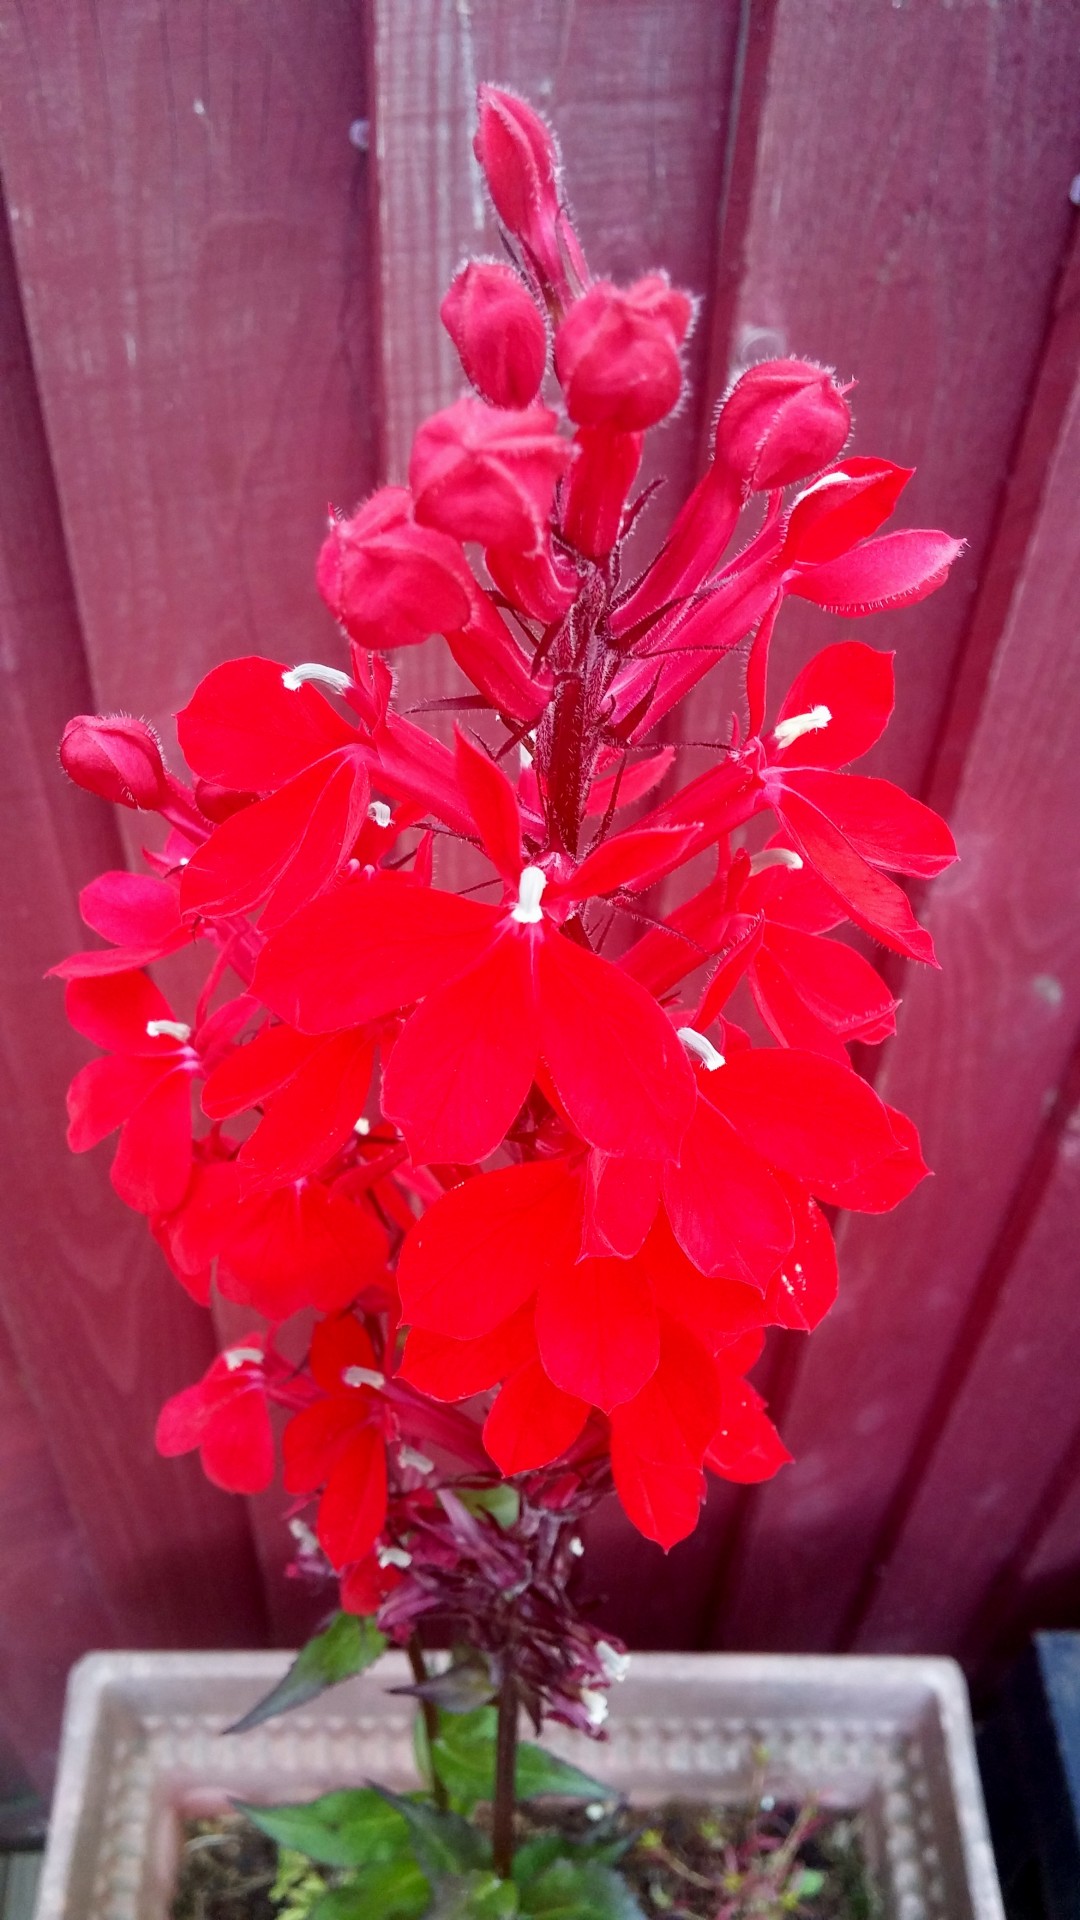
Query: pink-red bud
x=782, y=421
x=488, y=474
x=116, y=757
x=521, y=166
x=617, y=353
x=498, y=331
x=389, y=582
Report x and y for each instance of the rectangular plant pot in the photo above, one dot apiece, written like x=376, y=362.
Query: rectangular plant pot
x=142, y=1750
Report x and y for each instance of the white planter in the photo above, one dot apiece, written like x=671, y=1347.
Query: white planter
x=142, y=1750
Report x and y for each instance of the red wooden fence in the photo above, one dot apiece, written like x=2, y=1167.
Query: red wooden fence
x=229, y=230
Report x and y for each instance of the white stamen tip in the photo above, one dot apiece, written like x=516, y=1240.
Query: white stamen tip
x=701, y=1048
x=363, y=1377
x=528, y=911
x=419, y=1462
x=168, y=1029
x=393, y=1557
x=304, y=1537
x=241, y=1356
x=616, y=1665
x=775, y=857
x=362, y=1127
x=577, y=1547
x=380, y=813
x=790, y=730
x=595, y=1705
x=294, y=677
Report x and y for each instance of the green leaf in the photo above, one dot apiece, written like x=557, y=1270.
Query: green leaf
x=579, y=1890
x=464, y=1754
x=534, y=1855
x=355, y=1827
x=345, y=1647
x=443, y=1843
x=503, y=1502
x=808, y=1883
x=397, y=1891
x=473, y=1896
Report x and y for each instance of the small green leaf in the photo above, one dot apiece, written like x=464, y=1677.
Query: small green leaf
x=464, y=1754
x=473, y=1896
x=443, y=1843
x=355, y=1827
x=397, y=1891
x=534, y=1855
x=808, y=1884
x=579, y=1890
x=345, y=1647
x=503, y=1503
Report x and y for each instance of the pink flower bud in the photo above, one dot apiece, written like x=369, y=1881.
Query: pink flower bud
x=389, y=582
x=617, y=353
x=783, y=421
x=520, y=162
x=487, y=474
x=498, y=331
x=115, y=757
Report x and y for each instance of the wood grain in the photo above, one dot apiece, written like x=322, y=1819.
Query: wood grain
x=981, y=1051
x=908, y=209
x=99, y=1334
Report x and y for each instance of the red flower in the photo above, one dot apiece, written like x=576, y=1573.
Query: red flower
x=338, y=1443
x=617, y=353
x=139, y=914
x=142, y=1085
x=488, y=473
x=225, y=1415
x=504, y=995
x=498, y=331
x=116, y=757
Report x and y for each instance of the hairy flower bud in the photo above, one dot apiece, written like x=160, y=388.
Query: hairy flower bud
x=520, y=162
x=498, y=331
x=617, y=353
x=116, y=757
x=782, y=421
x=389, y=582
x=487, y=474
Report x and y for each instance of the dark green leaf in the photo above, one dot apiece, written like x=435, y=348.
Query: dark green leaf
x=464, y=1754
x=345, y=1647
x=443, y=1843
x=579, y=1890
x=355, y=1827
x=536, y=1854
x=397, y=1891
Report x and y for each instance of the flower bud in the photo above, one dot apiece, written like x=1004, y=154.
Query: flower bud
x=116, y=757
x=498, y=331
x=487, y=474
x=389, y=582
x=782, y=421
x=520, y=162
x=617, y=353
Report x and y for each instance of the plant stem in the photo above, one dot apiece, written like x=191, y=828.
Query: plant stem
x=430, y=1714
x=502, y=1829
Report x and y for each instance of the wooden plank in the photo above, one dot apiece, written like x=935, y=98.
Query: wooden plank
x=189, y=220
x=100, y=1334
x=908, y=212
x=994, y=1448
x=981, y=1051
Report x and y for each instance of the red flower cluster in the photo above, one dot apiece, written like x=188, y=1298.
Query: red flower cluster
x=559, y=1165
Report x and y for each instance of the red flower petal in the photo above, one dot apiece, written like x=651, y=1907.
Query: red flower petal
x=465, y=1059
x=483, y=1249
x=659, y=1437
x=456, y=1369
x=885, y=825
x=153, y=1159
x=494, y=807
x=532, y=1421
x=630, y=859
x=104, y=1093
x=881, y=1187
x=130, y=909
x=618, y=1066
x=237, y=1450
x=299, y=1247
x=114, y=1013
x=857, y=685
x=247, y=1075
x=352, y=1511
x=336, y=1345
x=746, y=1447
x=244, y=729
x=378, y=943
x=803, y=1288
x=874, y=902
x=311, y=1118
x=597, y=1329
x=817, y=993
x=810, y=1117
x=892, y=571
x=727, y=1211
x=622, y=1196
